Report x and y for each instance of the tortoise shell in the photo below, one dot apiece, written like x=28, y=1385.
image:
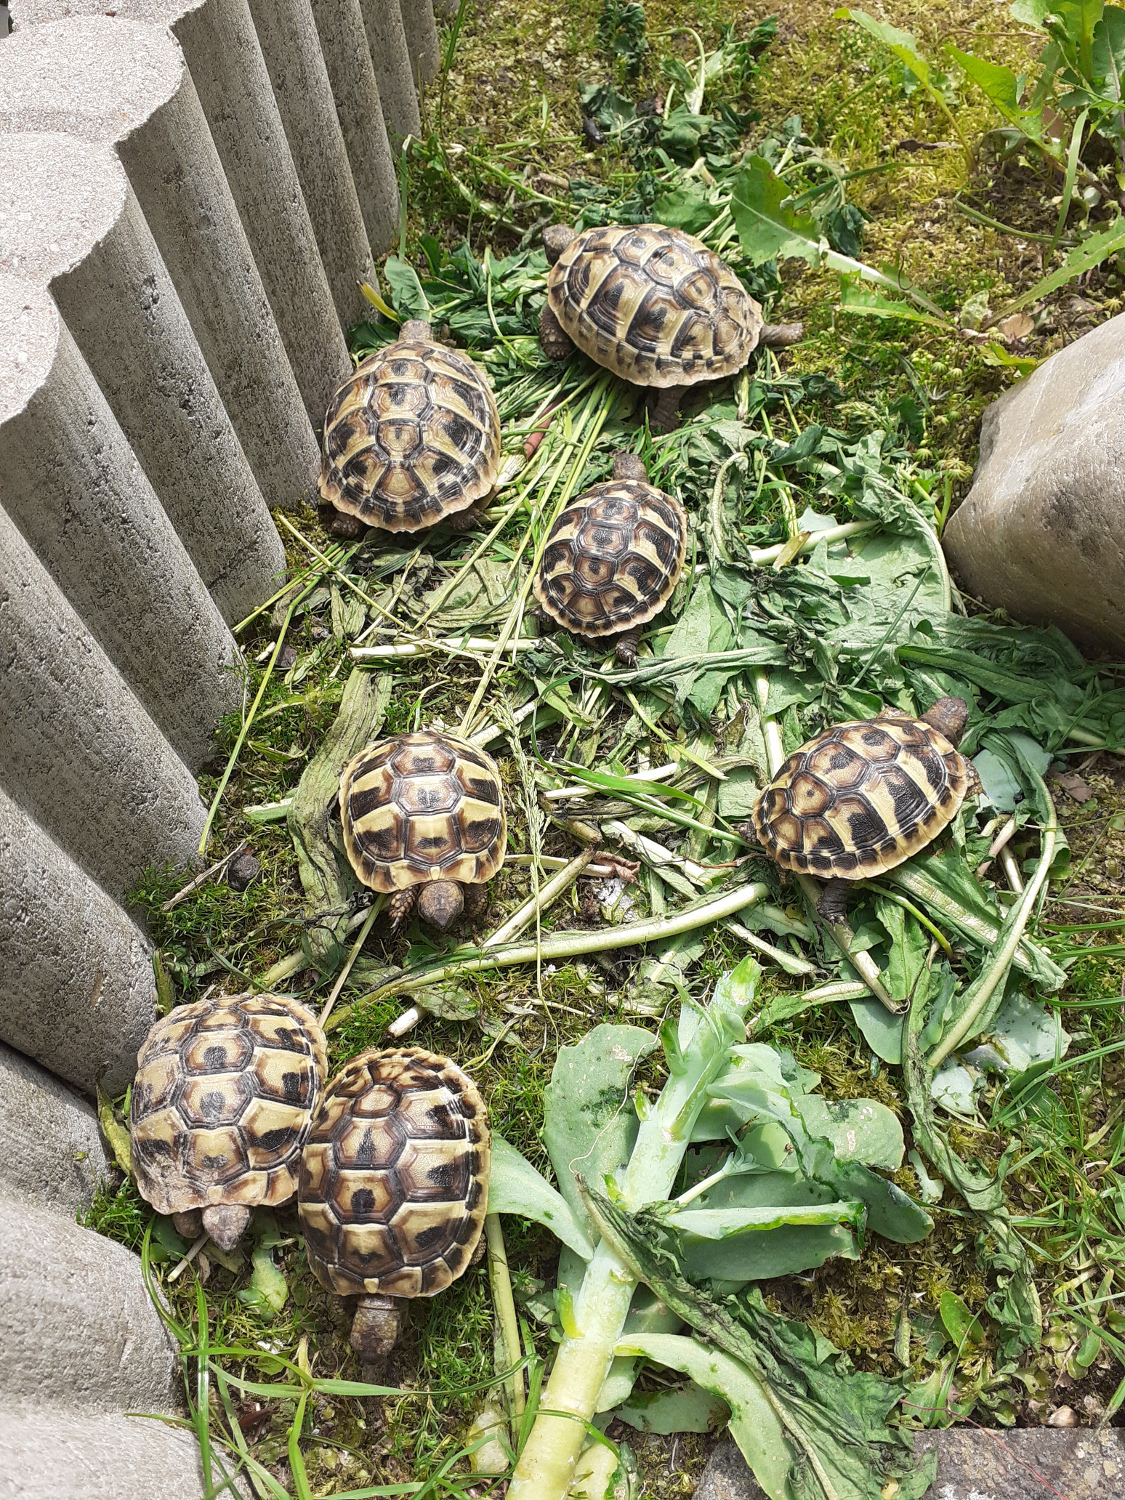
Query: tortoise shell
x=422, y=807
x=653, y=305
x=394, y=1177
x=612, y=558
x=862, y=797
x=222, y=1101
x=411, y=438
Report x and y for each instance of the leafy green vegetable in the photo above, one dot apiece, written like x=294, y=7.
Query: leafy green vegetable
x=515, y=1187
x=686, y=1408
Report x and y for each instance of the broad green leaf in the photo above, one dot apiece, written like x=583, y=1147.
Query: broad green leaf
x=1109, y=51
x=881, y=1031
x=406, y=289
x=1084, y=257
x=754, y=1423
x=859, y=1129
x=589, y=1123
x=164, y=1234
x=766, y=230
x=725, y=1223
x=1031, y=12
x=268, y=1290
x=688, y=1408
x=686, y=208
x=859, y=299
x=1000, y=86
x=905, y=47
x=515, y=1187
x=962, y=1326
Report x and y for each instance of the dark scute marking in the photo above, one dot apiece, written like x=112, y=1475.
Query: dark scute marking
x=365, y=1151
x=425, y=1239
x=361, y=803
x=454, y=1256
x=442, y=464
x=842, y=758
x=273, y=1140
x=156, y=1148
x=435, y=841
x=293, y=1086
x=844, y=861
x=443, y=1120
x=211, y=1106
x=867, y=827
x=469, y=1111
x=934, y=766
x=214, y=1161
x=472, y=1197
x=481, y=831
x=873, y=737
x=485, y=791
x=909, y=799
x=363, y=1201
x=829, y=842
x=386, y=841
x=399, y=366
x=215, y=1059
x=442, y=1176
x=821, y=861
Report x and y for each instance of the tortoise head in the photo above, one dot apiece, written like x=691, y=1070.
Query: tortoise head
x=440, y=902
x=629, y=466
x=949, y=717
x=417, y=330
x=556, y=237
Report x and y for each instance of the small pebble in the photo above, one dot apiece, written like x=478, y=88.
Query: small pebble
x=242, y=869
x=1062, y=1416
x=287, y=658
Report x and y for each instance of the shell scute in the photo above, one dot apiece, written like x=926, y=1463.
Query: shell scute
x=861, y=797
x=392, y=1201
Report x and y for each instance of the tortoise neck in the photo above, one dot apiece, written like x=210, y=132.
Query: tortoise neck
x=629, y=466
x=418, y=330
x=948, y=716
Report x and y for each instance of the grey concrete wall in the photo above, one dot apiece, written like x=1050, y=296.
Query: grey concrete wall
x=74, y=486
x=76, y=985
x=51, y=1153
x=127, y=84
x=390, y=56
x=71, y=1455
x=421, y=38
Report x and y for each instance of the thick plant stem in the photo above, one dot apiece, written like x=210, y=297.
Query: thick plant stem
x=505, y=1306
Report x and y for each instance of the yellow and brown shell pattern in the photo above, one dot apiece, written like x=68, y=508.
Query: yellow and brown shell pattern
x=222, y=1101
x=612, y=558
x=421, y=807
x=653, y=305
x=394, y=1178
x=412, y=437
x=861, y=798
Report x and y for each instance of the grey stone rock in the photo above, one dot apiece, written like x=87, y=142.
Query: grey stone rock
x=164, y=393
x=77, y=750
x=296, y=63
x=77, y=1326
x=72, y=483
x=421, y=37
x=974, y=1464
x=59, y=1454
x=76, y=993
x=242, y=871
x=1040, y=532
x=127, y=84
x=348, y=59
x=390, y=56
x=50, y=1150
x=230, y=77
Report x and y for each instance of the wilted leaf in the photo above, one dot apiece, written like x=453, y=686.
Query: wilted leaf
x=962, y=1326
x=406, y=289
x=115, y=1133
x=1015, y=327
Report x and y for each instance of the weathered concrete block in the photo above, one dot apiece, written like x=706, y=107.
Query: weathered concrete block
x=53, y=1454
x=292, y=50
x=421, y=37
x=1040, y=533
x=230, y=77
x=76, y=990
x=50, y=1150
x=354, y=87
x=127, y=84
x=71, y=481
x=77, y=1326
x=974, y=1464
x=390, y=57
x=77, y=750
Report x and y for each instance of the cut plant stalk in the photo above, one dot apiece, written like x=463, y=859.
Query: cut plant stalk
x=540, y=901
x=504, y=1303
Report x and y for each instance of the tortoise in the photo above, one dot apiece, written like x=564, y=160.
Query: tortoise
x=221, y=1104
x=612, y=559
x=652, y=304
x=411, y=438
x=394, y=1185
x=864, y=796
x=423, y=819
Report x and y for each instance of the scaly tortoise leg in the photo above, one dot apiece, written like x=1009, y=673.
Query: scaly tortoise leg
x=476, y=901
x=465, y=520
x=666, y=409
x=339, y=523
x=625, y=646
x=402, y=904
x=554, y=341
x=832, y=905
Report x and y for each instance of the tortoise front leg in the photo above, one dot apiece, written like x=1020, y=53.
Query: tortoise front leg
x=625, y=647
x=666, y=409
x=555, y=342
x=465, y=520
x=402, y=904
x=833, y=902
x=476, y=900
x=339, y=523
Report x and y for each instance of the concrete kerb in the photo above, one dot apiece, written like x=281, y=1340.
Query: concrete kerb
x=72, y=483
x=233, y=84
x=348, y=59
x=53, y=1454
x=76, y=748
x=394, y=73
x=127, y=84
x=76, y=994
x=421, y=38
x=301, y=86
x=50, y=1150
